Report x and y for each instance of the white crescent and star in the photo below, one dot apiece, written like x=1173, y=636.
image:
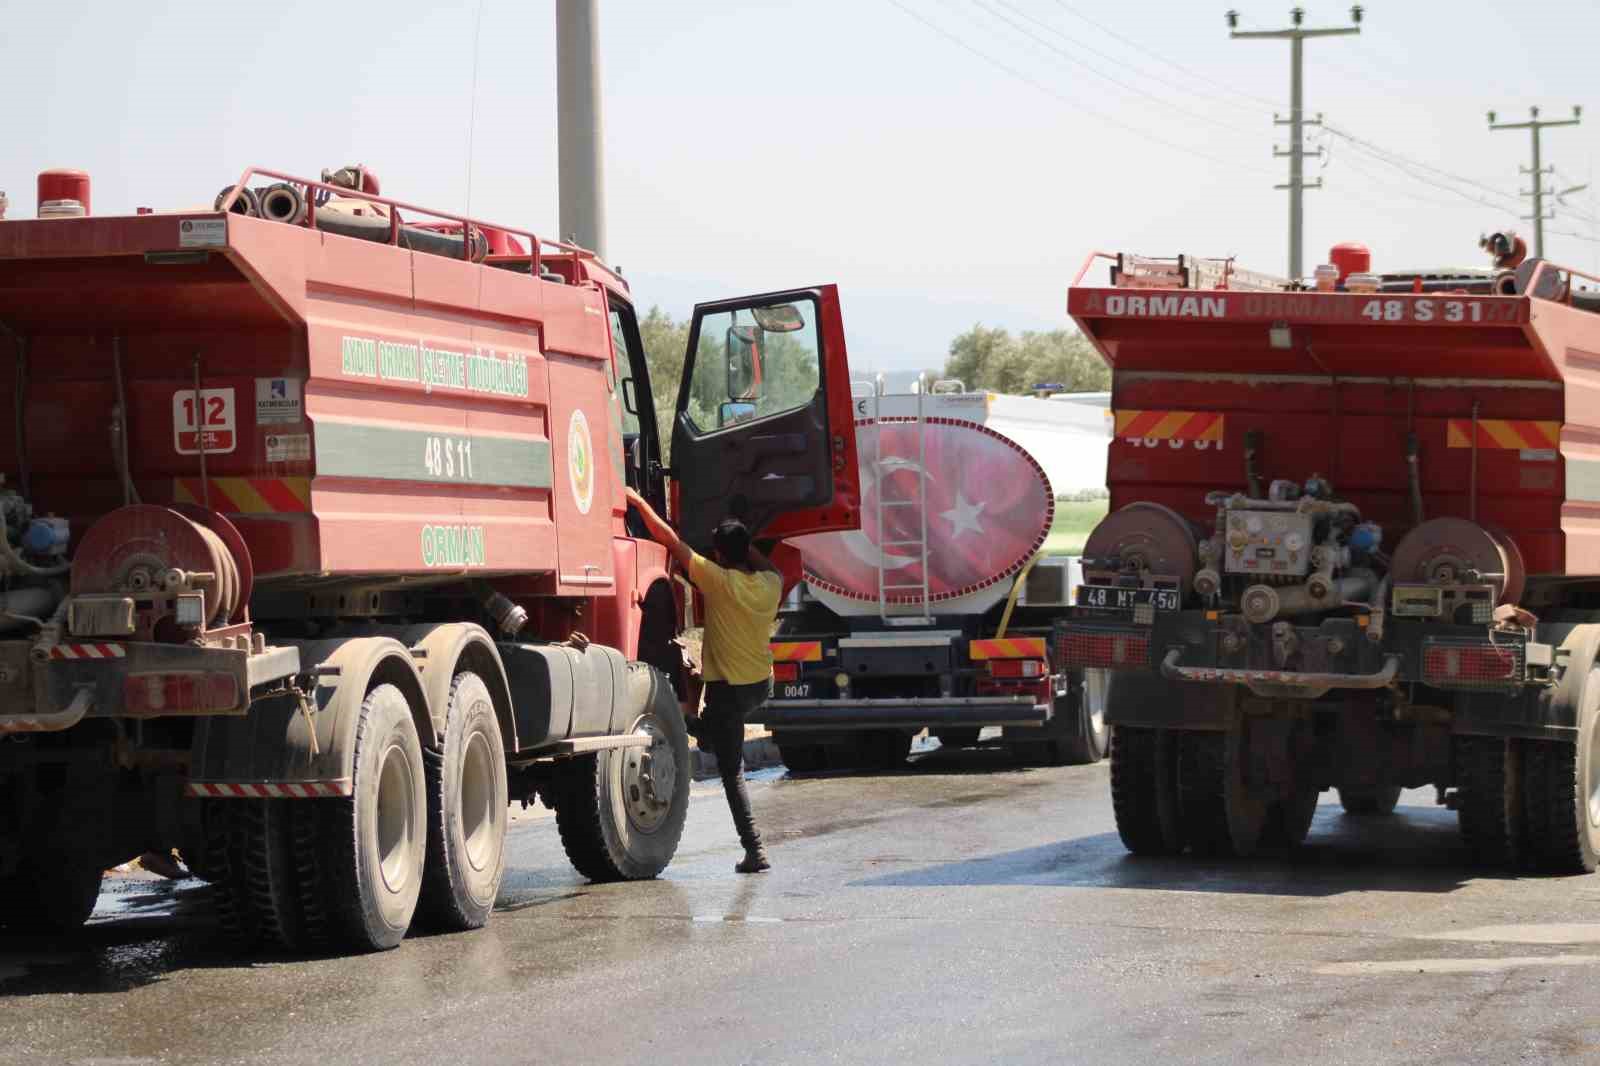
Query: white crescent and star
x=963, y=517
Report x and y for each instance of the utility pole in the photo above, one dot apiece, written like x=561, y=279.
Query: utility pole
x=1296, y=36
x=1535, y=123
x=580, y=131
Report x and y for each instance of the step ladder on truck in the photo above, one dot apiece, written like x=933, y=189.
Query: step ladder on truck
x=936, y=614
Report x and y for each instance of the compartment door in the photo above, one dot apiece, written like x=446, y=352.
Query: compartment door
x=765, y=429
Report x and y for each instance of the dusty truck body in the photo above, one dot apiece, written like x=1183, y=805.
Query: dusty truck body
x=316, y=551
x=1352, y=545
x=936, y=613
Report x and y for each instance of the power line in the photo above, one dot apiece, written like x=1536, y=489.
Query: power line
x=1063, y=5
x=472, y=107
x=1069, y=57
x=1407, y=165
x=1349, y=161
x=1075, y=105
x=1188, y=90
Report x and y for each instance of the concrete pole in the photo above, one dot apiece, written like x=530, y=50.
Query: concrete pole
x=580, y=129
x=1538, y=197
x=1297, y=191
x=1297, y=121
x=1535, y=124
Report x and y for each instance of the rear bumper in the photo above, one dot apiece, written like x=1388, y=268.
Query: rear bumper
x=1307, y=685
x=79, y=681
x=902, y=713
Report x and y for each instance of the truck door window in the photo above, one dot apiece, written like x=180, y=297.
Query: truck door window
x=625, y=354
x=752, y=363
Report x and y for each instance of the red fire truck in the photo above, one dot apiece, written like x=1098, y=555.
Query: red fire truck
x=316, y=553
x=1353, y=545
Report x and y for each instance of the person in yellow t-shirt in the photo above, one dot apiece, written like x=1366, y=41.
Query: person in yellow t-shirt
x=741, y=590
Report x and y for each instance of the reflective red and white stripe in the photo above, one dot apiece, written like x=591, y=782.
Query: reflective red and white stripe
x=258, y=790
x=88, y=651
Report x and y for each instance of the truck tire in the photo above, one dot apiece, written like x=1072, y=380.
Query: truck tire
x=467, y=808
x=1489, y=800
x=1222, y=814
x=958, y=738
x=803, y=758
x=886, y=749
x=1561, y=794
x=620, y=812
x=1144, y=790
x=1289, y=821
x=1363, y=801
x=361, y=858
x=1076, y=734
x=1089, y=743
x=49, y=895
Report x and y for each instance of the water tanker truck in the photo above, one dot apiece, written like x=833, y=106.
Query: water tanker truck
x=1352, y=545
x=936, y=614
x=316, y=552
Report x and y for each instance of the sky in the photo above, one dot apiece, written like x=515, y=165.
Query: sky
x=946, y=162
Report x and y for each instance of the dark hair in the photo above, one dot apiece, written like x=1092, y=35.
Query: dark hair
x=732, y=540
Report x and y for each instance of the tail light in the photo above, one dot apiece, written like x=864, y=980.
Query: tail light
x=185, y=692
x=1016, y=668
x=786, y=671
x=1471, y=664
x=1103, y=648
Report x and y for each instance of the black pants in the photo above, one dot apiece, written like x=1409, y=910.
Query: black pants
x=721, y=729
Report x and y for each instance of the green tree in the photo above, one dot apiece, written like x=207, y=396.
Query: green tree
x=666, y=342
x=1064, y=356
x=990, y=358
x=977, y=355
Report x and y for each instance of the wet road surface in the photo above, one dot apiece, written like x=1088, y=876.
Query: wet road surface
x=963, y=911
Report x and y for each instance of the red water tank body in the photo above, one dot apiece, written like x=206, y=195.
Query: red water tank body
x=1351, y=258
x=64, y=185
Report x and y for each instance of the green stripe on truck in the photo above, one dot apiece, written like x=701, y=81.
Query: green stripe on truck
x=347, y=449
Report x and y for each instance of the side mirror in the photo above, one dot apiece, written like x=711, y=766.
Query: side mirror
x=731, y=414
x=742, y=349
x=779, y=318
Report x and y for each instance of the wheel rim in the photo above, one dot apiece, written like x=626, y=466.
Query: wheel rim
x=480, y=814
x=1094, y=695
x=396, y=823
x=1591, y=772
x=649, y=777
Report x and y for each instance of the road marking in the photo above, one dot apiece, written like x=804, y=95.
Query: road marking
x=1449, y=966
x=1533, y=933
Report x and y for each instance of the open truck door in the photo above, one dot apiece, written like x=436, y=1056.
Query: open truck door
x=764, y=428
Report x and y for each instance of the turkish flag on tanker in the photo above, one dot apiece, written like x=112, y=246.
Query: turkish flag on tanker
x=988, y=510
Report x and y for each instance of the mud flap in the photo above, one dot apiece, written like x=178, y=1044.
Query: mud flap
x=277, y=742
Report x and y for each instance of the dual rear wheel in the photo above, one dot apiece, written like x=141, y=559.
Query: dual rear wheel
x=422, y=835
x=1177, y=789
x=1534, y=804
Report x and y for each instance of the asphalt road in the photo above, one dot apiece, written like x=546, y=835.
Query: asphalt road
x=963, y=911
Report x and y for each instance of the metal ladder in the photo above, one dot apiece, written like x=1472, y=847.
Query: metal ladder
x=915, y=612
